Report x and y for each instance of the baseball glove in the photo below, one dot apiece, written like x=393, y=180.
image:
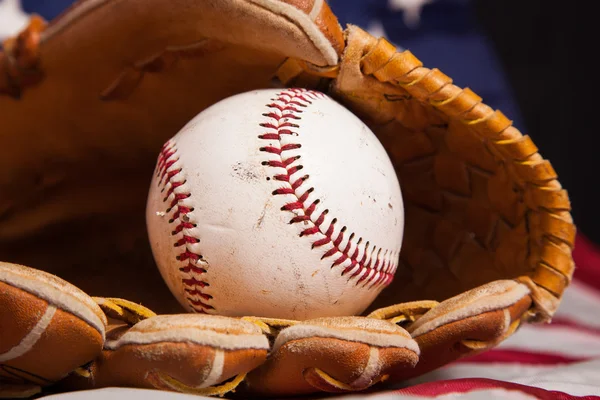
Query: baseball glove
x=87, y=101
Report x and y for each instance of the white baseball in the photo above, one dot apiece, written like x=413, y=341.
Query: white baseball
x=275, y=203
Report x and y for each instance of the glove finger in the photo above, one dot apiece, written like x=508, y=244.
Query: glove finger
x=467, y=324
x=48, y=327
x=333, y=355
x=189, y=353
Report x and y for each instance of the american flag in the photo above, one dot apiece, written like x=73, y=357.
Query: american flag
x=560, y=360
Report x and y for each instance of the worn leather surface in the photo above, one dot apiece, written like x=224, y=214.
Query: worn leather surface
x=48, y=327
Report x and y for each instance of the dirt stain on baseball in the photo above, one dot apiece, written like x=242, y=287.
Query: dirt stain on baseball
x=244, y=172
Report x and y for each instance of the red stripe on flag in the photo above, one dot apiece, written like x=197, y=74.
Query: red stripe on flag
x=434, y=389
x=567, y=323
x=496, y=356
x=587, y=262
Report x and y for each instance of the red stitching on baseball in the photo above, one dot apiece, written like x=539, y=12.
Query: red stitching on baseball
x=170, y=180
x=376, y=268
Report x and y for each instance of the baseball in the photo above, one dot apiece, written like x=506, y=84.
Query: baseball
x=275, y=203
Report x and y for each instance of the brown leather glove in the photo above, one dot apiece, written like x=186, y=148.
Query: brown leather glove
x=86, y=103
